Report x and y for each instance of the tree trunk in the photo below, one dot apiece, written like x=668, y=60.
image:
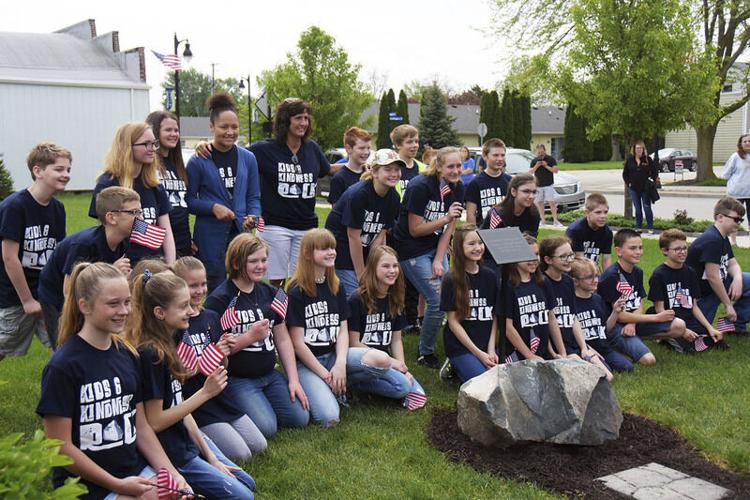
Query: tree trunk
x=705, y=137
x=616, y=156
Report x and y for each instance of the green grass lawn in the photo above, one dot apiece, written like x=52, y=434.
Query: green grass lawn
x=379, y=450
x=592, y=165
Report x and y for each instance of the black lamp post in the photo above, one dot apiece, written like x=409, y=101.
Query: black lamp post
x=187, y=55
x=249, y=110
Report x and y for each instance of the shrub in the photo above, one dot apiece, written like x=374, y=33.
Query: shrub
x=6, y=181
x=688, y=225
x=25, y=467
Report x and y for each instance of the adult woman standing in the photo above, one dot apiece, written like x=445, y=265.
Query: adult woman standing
x=289, y=165
x=130, y=163
x=639, y=170
x=222, y=189
x=467, y=172
x=432, y=204
x=173, y=176
x=737, y=174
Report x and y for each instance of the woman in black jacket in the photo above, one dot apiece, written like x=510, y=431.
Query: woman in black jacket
x=639, y=168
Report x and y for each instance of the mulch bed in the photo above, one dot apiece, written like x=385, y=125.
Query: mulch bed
x=571, y=470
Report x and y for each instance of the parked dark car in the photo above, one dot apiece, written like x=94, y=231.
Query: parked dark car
x=668, y=157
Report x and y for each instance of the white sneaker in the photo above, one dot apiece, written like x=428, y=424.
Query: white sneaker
x=557, y=223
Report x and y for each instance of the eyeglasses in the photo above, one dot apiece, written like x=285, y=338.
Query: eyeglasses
x=738, y=220
x=679, y=249
x=567, y=256
x=590, y=277
x=135, y=212
x=153, y=146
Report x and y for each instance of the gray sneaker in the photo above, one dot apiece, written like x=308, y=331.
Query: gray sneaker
x=446, y=371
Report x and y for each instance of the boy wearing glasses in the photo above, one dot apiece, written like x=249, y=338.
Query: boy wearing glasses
x=625, y=279
x=673, y=285
x=722, y=279
x=116, y=208
x=590, y=236
x=32, y=222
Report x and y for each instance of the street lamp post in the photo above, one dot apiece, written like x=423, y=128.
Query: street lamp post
x=187, y=54
x=249, y=110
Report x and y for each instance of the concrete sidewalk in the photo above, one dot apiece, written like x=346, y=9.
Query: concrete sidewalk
x=610, y=182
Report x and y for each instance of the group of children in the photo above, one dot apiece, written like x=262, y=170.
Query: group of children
x=161, y=376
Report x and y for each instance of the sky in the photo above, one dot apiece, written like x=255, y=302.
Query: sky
x=395, y=41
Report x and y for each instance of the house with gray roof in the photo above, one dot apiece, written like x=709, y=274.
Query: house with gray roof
x=72, y=87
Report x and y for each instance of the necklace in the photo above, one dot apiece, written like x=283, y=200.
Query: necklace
x=320, y=280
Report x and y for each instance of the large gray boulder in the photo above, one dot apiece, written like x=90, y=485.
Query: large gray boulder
x=561, y=401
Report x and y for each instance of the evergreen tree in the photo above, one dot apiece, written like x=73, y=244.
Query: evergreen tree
x=402, y=107
x=506, y=128
x=435, y=126
x=391, y=109
x=518, y=124
x=383, y=140
x=602, y=148
x=578, y=149
x=525, y=135
x=6, y=181
x=493, y=117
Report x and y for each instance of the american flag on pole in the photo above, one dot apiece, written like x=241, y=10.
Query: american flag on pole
x=230, y=318
x=147, y=235
x=700, y=344
x=279, y=303
x=210, y=359
x=724, y=325
x=170, y=61
x=495, y=219
x=415, y=400
x=445, y=189
x=624, y=287
x=260, y=225
x=186, y=353
x=683, y=299
x=534, y=342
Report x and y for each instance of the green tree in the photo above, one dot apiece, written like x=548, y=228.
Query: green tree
x=488, y=113
x=602, y=148
x=402, y=107
x=525, y=127
x=578, y=149
x=321, y=73
x=6, y=181
x=195, y=89
x=506, y=127
x=435, y=126
x=383, y=140
x=391, y=109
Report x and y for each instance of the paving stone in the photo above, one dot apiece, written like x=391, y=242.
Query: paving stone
x=655, y=482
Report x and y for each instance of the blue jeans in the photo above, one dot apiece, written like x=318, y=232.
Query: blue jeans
x=710, y=303
x=393, y=384
x=467, y=366
x=641, y=203
x=240, y=474
x=418, y=270
x=207, y=480
x=324, y=407
x=633, y=347
x=348, y=278
x=267, y=402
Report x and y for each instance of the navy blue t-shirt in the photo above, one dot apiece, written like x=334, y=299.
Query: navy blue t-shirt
x=527, y=222
x=528, y=305
x=204, y=329
x=259, y=358
x=407, y=174
x=178, y=216
x=543, y=176
x=563, y=296
x=376, y=329
x=157, y=383
x=423, y=198
x=710, y=247
x=154, y=203
x=287, y=187
x=89, y=245
x=482, y=300
x=226, y=164
x=361, y=207
x=592, y=242
x=486, y=191
x=340, y=182
x=37, y=229
x=592, y=316
x=320, y=316
x=98, y=391
x=677, y=288
x=608, y=283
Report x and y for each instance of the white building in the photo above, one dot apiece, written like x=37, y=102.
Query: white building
x=70, y=87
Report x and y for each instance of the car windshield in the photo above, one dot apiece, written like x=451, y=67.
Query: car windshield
x=517, y=162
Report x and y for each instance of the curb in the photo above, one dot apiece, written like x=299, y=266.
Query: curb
x=667, y=193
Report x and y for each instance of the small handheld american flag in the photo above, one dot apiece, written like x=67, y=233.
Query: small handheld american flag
x=445, y=189
x=624, y=287
x=260, y=225
x=186, y=353
x=210, y=359
x=534, y=342
x=170, y=61
x=165, y=483
x=147, y=235
x=279, y=303
x=512, y=357
x=700, y=344
x=683, y=299
x=415, y=400
x=724, y=325
x=230, y=318
x=495, y=219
